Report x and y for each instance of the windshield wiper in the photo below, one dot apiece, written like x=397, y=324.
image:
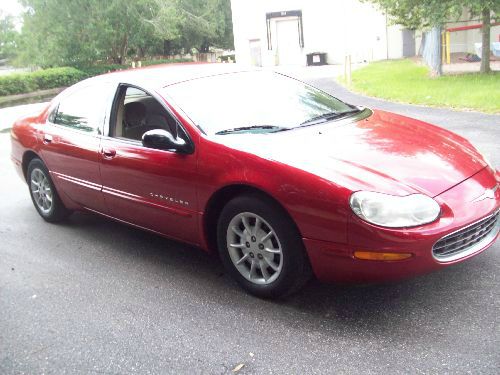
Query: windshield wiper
x=329, y=117
x=250, y=128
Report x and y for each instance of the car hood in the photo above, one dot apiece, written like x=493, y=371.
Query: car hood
x=383, y=152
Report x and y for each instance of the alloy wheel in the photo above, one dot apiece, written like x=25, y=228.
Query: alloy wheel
x=41, y=190
x=254, y=248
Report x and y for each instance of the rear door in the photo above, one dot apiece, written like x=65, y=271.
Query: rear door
x=72, y=137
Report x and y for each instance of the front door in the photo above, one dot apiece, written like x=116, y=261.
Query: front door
x=255, y=52
x=408, y=43
x=153, y=189
x=289, y=51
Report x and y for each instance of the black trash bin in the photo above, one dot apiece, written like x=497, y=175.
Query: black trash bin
x=316, y=58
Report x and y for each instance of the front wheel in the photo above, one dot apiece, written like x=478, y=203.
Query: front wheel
x=261, y=247
x=43, y=193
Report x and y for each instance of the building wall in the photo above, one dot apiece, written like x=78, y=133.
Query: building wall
x=463, y=41
x=337, y=27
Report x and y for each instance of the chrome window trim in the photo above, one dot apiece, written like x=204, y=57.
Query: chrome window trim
x=155, y=96
x=132, y=142
x=92, y=134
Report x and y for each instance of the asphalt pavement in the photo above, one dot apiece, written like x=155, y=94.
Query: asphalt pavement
x=91, y=296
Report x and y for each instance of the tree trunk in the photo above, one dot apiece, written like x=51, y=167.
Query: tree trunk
x=141, y=52
x=123, y=49
x=422, y=44
x=432, y=51
x=167, y=47
x=485, y=30
x=205, y=46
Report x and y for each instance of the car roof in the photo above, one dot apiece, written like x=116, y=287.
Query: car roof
x=168, y=74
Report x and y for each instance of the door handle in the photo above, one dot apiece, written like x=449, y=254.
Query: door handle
x=108, y=153
x=47, y=138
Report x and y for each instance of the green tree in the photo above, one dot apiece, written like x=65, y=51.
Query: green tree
x=74, y=32
x=196, y=24
x=8, y=36
x=485, y=9
x=422, y=14
x=58, y=32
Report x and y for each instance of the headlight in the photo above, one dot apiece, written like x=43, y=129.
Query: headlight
x=392, y=211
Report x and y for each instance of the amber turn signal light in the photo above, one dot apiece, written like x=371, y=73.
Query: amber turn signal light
x=371, y=255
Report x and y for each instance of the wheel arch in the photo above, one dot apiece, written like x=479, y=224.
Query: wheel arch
x=220, y=198
x=28, y=156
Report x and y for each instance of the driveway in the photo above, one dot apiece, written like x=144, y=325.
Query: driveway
x=91, y=296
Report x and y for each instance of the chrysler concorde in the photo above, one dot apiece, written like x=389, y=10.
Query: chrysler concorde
x=282, y=180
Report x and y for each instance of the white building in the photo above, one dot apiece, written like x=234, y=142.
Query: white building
x=283, y=32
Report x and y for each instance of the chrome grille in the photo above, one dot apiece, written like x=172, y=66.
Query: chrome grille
x=467, y=240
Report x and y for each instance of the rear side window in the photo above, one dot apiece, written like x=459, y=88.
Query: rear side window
x=84, y=109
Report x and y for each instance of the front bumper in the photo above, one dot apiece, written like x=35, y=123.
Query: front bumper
x=462, y=205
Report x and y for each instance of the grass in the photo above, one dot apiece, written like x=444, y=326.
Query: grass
x=409, y=82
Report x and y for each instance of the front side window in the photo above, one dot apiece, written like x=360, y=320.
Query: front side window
x=137, y=112
x=84, y=109
x=252, y=102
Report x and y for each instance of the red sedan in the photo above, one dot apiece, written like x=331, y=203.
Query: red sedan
x=281, y=179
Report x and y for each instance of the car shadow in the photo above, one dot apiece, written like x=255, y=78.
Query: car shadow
x=199, y=276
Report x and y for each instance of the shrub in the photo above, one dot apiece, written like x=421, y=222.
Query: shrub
x=20, y=83
x=164, y=61
x=40, y=80
x=96, y=70
x=16, y=83
x=227, y=57
x=56, y=77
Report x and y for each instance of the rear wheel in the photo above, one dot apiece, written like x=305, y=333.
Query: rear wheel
x=261, y=247
x=43, y=193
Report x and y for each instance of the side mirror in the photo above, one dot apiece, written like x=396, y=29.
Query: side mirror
x=162, y=140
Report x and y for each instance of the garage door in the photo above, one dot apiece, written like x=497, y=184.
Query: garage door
x=289, y=51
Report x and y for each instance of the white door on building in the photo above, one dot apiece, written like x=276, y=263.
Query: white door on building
x=255, y=52
x=288, y=47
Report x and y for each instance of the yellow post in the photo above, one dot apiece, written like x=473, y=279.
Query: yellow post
x=448, y=48
x=443, y=48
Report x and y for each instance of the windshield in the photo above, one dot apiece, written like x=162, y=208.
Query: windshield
x=252, y=102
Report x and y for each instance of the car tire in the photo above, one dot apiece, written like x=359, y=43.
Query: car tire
x=261, y=247
x=43, y=193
